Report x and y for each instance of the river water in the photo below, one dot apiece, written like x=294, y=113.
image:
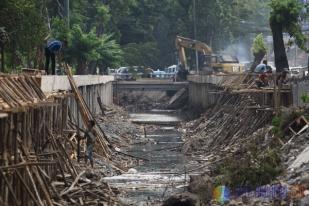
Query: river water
x=164, y=173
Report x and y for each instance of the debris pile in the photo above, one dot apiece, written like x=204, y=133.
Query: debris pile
x=86, y=189
x=224, y=127
x=142, y=101
x=38, y=145
x=235, y=144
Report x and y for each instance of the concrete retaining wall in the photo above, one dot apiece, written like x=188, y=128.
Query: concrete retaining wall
x=205, y=90
x=55, y=83
x=209, y=79
x=299, y=88
x=203, y=94
x=90, y=86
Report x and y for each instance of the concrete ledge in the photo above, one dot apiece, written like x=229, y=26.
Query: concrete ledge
x=209, y=79
x=218, y=79
x=54, y=83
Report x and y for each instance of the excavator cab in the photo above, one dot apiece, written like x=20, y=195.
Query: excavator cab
x=209, y=62
x=227, y=63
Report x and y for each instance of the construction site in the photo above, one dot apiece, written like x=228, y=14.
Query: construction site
x=91, y=115
x=154, y=154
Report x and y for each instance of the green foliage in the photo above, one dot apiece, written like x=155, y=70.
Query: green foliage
x=254, y=168
x=89, y=44
x=84, y=45
x=110, y=52
x=60, y=29
x=305, y=98
x=24, y=23
x=276, y=123
x=145, y=29
x=4, y=37
x=143, y=54
x=258, y=45
x=287, y=13
x=88, y=47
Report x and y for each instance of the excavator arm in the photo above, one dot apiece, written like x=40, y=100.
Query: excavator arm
x=182, y=43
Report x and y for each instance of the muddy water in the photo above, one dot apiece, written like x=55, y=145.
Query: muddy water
x=164, y=172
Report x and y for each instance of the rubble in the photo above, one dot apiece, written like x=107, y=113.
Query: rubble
x=38, y=159
x=225, y=126
x=226, y=131
x=135, y=101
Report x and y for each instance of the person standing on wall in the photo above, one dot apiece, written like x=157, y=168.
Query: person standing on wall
x=52, y=48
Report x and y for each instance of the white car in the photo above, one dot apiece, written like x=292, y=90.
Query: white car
x=171, y=71
x=159, y=74
x=298, y=72
x=123, y=74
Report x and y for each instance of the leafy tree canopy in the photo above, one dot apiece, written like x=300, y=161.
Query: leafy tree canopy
x=258, y=45
x=288, y=13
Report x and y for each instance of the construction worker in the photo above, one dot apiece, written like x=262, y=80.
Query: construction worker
x=264, y=73
x=90, y=141
x=52, y=47
x=261, y=68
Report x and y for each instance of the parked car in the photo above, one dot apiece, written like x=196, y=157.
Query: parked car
x=171, y=71
x=123, y=74
x=159, y=74
x=111, y=71
x=298, y=72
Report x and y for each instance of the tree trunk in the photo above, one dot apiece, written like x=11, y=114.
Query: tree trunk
x=92, y=68
x=257, y=60
x=281, y=60
x=81, y=67
x=2, y=58
x=13, y=56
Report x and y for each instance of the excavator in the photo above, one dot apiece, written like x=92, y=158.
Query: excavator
x=210, y=62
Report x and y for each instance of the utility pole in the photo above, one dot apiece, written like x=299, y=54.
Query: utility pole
x=67, y=11
x=195, y=33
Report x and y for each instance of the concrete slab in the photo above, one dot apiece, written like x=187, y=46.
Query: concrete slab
x=303, y=158
x=54, y=83
x=217, y=79
x=209, y=79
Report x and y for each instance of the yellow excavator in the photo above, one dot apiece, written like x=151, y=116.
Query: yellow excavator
x=210, y=62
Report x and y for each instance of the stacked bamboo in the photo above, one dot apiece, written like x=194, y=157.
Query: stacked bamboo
x=239, y=81
x=87, y=116
x=36, y=147
x=32, y=151
x=18, y=92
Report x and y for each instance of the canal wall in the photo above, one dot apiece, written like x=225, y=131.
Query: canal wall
x=91, y=87
x=299, y=88
x=206, y=90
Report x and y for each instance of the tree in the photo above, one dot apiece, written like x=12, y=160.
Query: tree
x=284, y=17
x=83, y=48
x=4, y=38
x=86, y=48
x=146, y=27
x=258, y=50
x=142, y=54
x=111, y=54
x=25, y=25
